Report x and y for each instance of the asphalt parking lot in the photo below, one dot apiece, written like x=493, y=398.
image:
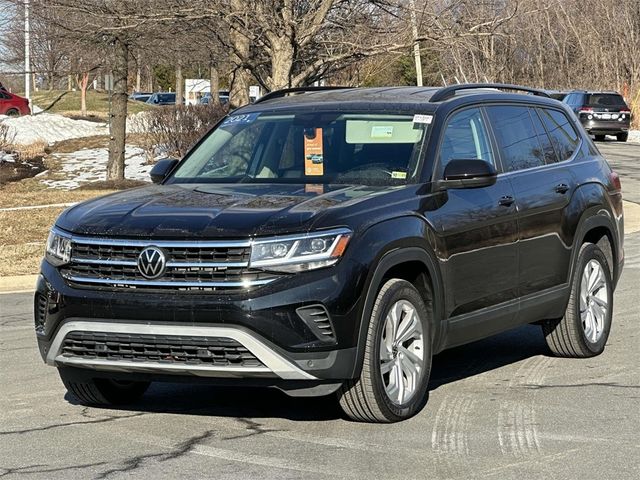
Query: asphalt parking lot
x=501, y=408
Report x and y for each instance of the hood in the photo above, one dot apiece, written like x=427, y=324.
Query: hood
x=213, y=211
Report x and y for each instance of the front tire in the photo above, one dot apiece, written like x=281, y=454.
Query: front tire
x=397, y=359
x=585, y=327
x=101, y=391
x=13, y=113
x=599, y=138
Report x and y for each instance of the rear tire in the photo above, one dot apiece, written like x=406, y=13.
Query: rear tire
x=101, y=391
x=585, y=327
x=622, y=137
x=397, y=359
x=13, y=113
x=600, y=138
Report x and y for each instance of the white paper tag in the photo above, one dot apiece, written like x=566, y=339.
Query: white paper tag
x=421, y=118
x=379, y=131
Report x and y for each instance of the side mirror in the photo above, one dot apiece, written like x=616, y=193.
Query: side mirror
x=468, y=173
x=162, y=168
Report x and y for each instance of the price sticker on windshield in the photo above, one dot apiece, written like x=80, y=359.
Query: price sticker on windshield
x=420, y=118
x=240, y=119
x=313, y=152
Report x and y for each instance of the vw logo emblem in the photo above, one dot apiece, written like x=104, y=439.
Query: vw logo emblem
x=152, y=262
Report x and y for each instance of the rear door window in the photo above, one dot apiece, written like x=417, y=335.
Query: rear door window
x=543, y=138
x=564, y=138
x=516, y=136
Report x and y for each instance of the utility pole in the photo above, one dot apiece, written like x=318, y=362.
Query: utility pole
x=416, y=44
x=27, y=58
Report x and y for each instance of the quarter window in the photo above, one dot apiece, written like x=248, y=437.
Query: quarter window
x=516, y=136
x=543, y=138
x=465, y=136
x=563, y=136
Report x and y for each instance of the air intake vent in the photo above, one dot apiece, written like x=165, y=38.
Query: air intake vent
x=318, y=320
x=40, y=311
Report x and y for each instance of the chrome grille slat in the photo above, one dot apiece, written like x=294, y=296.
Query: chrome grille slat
x=198, y=266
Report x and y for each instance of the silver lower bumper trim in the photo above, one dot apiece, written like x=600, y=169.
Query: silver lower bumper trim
x=272, y=361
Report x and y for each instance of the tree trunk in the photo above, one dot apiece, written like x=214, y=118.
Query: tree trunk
x=241, y=77
x=83, y=83
x=215, y=84
x=179, y=85
x=281, y=64
x=115, y=165
x=138, y=78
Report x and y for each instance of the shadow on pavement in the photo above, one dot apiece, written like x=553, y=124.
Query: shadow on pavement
x=243, y=403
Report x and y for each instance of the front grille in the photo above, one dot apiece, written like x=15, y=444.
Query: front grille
x=174, y=349
x=192, y=266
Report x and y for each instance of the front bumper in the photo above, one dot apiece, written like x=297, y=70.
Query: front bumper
x=264, y=321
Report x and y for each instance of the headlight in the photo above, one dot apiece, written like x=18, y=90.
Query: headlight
x=297, y=253
x=58, y=251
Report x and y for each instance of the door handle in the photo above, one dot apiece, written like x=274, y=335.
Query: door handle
x=562, y=188
x=506, y=200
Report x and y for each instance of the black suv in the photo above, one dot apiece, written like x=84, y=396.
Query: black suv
x=334, y=240
x=601, y=113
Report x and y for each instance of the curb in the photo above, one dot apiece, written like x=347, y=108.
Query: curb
x=18, y=283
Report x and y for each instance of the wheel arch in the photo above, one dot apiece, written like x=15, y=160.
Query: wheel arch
x=419, y=267
x=598, y=227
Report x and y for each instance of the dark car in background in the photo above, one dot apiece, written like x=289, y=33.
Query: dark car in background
x=332, y=241
x=162, y=98
x=140, y=96
x=13, y=105
x=223, y=95
x=601, y=113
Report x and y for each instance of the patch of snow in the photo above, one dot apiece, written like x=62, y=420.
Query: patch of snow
x=36, y=109
x=634, y=136
x=50, y=128
x=7, y=158
x=86, y=166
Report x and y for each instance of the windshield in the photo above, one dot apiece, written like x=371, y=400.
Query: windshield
x=356, y=148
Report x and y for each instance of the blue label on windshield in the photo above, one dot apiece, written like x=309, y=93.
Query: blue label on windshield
x=241, y=119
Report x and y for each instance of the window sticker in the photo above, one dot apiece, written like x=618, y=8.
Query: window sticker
x=316, y=188
x=420, y=118
x=399, y=175
x=242, y=119
x=313, y=152
x=381, y=131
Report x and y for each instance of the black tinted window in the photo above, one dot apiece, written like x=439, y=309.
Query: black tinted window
x=465, y=136
x=605, y=100
x=543, y=138
x=517, y=139
x=564, y=138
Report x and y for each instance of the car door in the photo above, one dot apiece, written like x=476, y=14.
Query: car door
x=477, y=232
x=534, y=145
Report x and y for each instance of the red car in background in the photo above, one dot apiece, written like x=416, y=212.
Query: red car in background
x=13, y=105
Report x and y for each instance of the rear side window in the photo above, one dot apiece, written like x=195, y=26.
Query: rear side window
x=563, y=136
x=605, y=100
x=465, y=136
x=517, y=138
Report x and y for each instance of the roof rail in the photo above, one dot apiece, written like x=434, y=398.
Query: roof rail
x=285, y=91
x=448, y=92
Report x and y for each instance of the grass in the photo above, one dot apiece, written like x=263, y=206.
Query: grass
x=68, y=103
x=23, y=233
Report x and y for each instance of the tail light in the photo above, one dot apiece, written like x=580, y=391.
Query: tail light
x=585, y=110
x=614, y=178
